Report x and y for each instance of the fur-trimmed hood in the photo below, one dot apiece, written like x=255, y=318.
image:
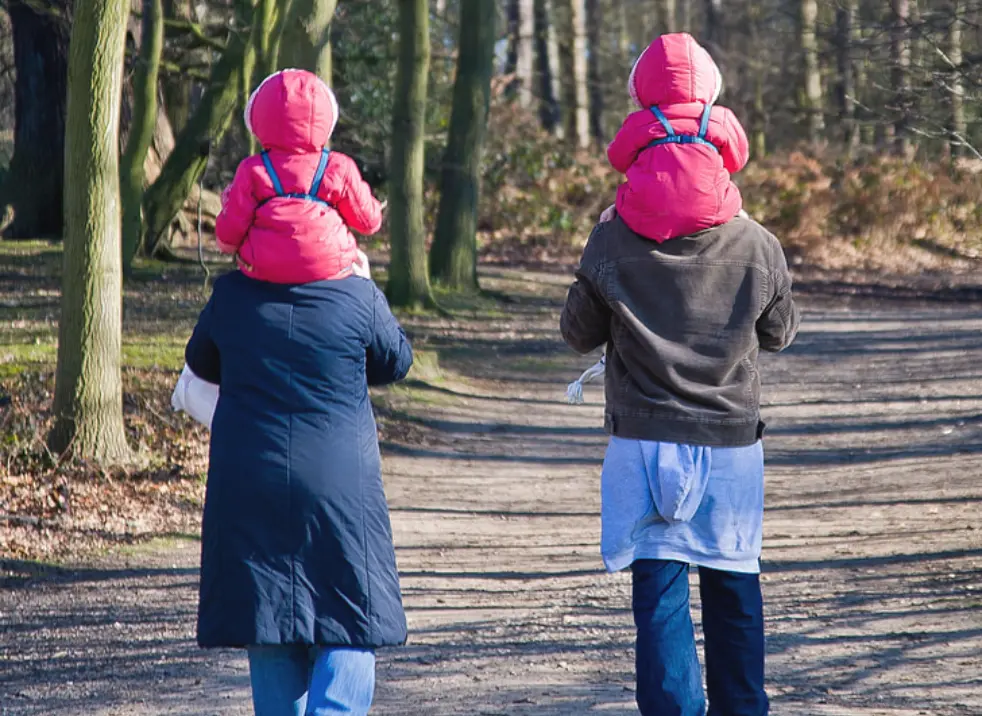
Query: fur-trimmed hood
x=674, y=69
x=293, y=111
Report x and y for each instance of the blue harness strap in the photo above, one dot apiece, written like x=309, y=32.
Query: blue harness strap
x=672, y=138
x=314, y=186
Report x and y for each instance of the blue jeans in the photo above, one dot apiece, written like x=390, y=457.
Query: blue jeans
x=298, y=680
x=669, y=682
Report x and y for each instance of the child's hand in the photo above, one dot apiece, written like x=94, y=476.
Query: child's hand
x=608, y=214
x=225, y=195
x=361, y=267
x=247, y=267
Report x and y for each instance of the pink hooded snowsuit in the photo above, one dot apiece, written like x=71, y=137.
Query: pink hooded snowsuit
x=677, y=189
x=295, y=238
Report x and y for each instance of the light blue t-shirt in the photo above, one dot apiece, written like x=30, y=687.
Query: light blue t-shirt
x=687, y=503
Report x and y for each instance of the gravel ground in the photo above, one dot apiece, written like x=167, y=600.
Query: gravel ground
x=872, y=556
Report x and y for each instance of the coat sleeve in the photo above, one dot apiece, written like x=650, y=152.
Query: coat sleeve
x=778, y=324
x=389, y=355
x=238, y=212
x=201, y=353
x=624, y=148
x=736, y=148
x=585, y=320
x=360, y=210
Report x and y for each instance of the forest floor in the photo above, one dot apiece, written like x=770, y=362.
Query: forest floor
x=872, y=563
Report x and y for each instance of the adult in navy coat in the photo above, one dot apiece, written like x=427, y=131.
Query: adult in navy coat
x=296, y=543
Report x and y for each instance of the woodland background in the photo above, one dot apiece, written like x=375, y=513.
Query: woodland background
x=863, y=114
x=482, y=122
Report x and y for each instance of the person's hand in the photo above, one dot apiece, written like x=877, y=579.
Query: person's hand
x=247, y=267
x=225, y=195
x=360, y=267
x=608, y=214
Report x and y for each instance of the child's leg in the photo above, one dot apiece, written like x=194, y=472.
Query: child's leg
x=668, y=675
x=733, y=623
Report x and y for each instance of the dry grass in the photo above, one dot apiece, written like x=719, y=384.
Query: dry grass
x=879, y=215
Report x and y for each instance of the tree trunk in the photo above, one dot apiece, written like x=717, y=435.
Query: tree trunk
x=547, y=53
x=453, y=257
x=958, y=127
x=845, y=39
x=758, y=127
x=34, y=182
x=625, y=56
x=164, y=198
x=580, y=111
x=594, y=71
x=668, y=17
x=409, y=283
x=132, y=174
x=685, y=16
x=523, y=41
x=811, y=96
x=307, y=37
x=714, y=27
x=88, y=403
x=868, y=129
x=269, y=22
x=918, y=57
x=176, y=88
x=248, y=76
x=900, y=75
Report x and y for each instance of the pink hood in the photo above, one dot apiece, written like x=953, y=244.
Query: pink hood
x=676, y=190
x=674, y=69
x=293, y=111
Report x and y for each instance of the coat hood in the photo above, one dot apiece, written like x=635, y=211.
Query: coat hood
x=674, y=69
x=292, y=110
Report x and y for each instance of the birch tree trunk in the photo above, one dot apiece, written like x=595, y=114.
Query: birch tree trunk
x=580, y=111
x=524, y=40
x=88, y=402
x=409, y=283
x=900, y=75
x=453, y=256
x=958, y=127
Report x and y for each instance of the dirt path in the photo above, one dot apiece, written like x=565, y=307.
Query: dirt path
x=872, y=557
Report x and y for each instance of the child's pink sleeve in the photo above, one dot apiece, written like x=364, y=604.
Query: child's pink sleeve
x=623, y=150
x=238, y=212
x=360, y=210
x=736, y=150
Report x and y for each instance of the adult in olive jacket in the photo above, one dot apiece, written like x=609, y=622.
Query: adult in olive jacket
x=296, y=543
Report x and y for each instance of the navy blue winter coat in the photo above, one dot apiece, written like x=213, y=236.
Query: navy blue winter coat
x=296, y=541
